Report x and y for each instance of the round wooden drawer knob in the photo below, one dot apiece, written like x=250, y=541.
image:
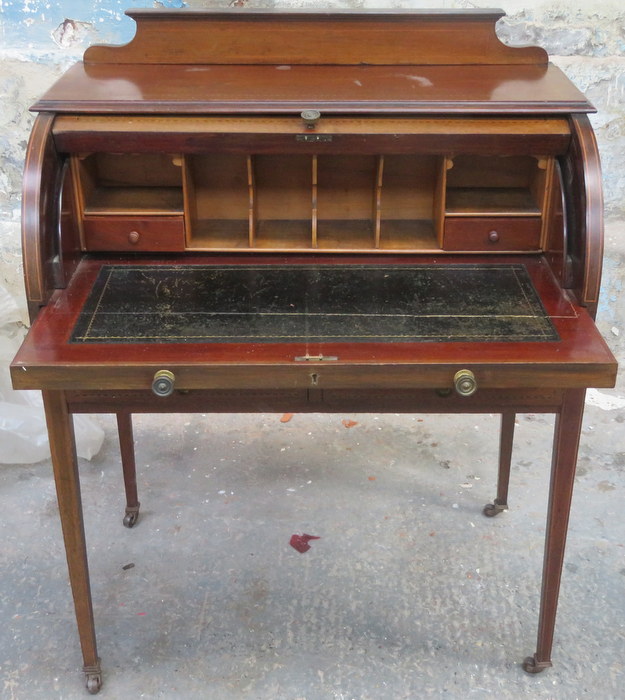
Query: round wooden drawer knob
x=493, y=236
x=133, y=237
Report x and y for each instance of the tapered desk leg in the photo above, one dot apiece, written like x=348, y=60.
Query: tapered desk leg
x=65, y=466
x=505, y=459
x=127, y=449
x=566, y=443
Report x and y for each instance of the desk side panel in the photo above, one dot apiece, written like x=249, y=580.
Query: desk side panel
x=50, y=239
x=583, y=195
x=41, y=183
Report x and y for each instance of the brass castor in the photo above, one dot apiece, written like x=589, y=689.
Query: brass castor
x=131, y=517
x=94, y=683
x=492, y=509
x=93, y=678
x=530, y=665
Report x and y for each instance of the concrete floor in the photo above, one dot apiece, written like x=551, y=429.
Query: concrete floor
x=410, y=592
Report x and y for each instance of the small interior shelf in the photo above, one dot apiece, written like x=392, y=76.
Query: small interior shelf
x=490, y=201
x=495, y=186
x=135, y=200
x=132, y=184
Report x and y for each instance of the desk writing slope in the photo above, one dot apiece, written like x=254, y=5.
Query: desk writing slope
x=262, y=211
x=303, y=303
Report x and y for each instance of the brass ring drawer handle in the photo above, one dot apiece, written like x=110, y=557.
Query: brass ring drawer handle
x=465, y=383
x=163, y=383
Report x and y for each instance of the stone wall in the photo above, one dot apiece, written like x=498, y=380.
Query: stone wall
x=42, y=37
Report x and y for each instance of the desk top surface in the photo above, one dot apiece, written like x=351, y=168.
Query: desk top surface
x=288, y=89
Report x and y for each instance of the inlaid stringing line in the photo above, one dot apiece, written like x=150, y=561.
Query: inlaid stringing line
x=301, y=337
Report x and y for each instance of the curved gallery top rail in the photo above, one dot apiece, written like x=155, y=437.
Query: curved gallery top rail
x=316, y=38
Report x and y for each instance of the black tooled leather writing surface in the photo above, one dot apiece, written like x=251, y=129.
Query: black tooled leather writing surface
x=313, y=303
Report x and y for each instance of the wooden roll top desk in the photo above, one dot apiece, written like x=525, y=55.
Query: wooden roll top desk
x=312, y=212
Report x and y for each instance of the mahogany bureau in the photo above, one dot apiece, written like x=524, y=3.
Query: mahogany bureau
x=259, y=211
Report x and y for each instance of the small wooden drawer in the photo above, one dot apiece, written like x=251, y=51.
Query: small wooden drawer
x=492, y=233
x=144, y=234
